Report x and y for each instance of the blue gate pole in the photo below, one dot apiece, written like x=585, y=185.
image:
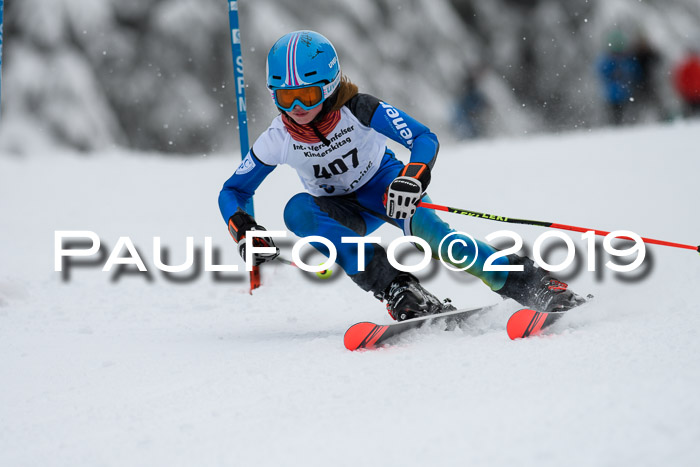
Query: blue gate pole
x=239, y=84
x=2, y=7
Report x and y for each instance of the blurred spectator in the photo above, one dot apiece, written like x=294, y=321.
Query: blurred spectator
x=470, y=109
x=644, y=91
x=687, y=82
x=618, y=71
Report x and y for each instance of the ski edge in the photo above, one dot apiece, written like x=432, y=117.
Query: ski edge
x=368, y=335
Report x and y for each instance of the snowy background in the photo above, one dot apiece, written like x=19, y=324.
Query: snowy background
x=128, y=368
x=156, y=74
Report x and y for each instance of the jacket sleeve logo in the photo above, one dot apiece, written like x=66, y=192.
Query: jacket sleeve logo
x=246, y=165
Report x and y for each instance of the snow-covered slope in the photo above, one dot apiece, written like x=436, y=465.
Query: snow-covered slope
x=140, y=370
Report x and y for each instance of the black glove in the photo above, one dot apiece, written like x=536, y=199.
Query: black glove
x=241, y=223
x=404, y=193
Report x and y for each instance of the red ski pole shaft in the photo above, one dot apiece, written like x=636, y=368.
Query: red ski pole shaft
x=552, y=225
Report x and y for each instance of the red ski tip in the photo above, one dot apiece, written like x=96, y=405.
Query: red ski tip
x=525, y=323
x=363, y=335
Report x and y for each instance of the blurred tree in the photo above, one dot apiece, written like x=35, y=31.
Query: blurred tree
x=157, y=74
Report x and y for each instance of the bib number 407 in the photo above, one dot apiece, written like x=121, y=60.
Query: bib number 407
x=337, y=167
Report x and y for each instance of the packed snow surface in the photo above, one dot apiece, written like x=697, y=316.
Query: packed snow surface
x=109, y=368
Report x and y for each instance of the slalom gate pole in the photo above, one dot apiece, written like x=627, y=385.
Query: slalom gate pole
x=239, y=84
x=2, y=7
x=552, y=225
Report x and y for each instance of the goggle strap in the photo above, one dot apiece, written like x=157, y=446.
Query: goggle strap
x=330, y=88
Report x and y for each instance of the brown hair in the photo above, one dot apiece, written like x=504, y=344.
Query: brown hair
x=346, y=91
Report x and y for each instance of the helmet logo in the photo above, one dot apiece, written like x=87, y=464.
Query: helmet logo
x=333, y=62
x=306, y=39
x=293, y=78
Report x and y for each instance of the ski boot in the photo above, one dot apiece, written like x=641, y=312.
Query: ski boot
x=536, y=289
x=407, y=299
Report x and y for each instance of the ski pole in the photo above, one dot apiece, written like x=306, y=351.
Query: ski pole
x=286, y=261
x=552, y=225
x=325, y=274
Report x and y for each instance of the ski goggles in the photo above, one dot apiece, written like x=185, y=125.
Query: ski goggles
x=307, y=97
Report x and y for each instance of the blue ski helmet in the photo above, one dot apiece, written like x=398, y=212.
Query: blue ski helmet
x=302, y=59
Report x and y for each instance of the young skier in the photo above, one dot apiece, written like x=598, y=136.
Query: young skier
x=335, y=138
